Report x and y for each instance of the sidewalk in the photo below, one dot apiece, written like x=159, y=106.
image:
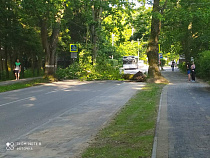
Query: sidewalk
x=183, y=125
x=3, y=83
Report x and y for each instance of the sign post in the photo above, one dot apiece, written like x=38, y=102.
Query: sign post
x=73, y=50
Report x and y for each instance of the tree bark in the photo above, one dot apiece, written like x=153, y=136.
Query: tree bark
x=152, y=50
x=49, y=45
x=5, y=62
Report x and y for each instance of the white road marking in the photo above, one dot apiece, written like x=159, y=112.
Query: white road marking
x=18, y=101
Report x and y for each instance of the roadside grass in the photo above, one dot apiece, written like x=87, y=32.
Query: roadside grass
x=130, y=134
x=25, y=84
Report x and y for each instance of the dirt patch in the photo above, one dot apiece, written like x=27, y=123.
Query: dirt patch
x=158, y=79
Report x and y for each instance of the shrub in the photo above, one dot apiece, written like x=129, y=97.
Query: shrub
x=84, y=70
x=163, y=62
x=182, y=67
x=202, y=65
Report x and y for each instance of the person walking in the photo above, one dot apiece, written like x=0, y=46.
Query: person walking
x=17, y=69
x=188, y=71
x=193, y=71
x=172, y=65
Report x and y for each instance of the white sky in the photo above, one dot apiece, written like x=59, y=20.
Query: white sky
x=138, y=4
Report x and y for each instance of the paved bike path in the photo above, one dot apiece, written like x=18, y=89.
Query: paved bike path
x=184, y=122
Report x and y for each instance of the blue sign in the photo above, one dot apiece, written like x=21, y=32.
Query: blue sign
x=73, y=48
x=160, y=55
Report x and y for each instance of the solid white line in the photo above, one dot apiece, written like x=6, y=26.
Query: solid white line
x=16, y=101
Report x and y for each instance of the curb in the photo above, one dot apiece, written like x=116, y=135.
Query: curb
x=160, y=144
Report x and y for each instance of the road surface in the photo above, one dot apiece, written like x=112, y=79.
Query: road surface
x=58, y=119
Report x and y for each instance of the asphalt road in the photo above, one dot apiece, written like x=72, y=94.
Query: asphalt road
x=186, y=126
x=58, y=119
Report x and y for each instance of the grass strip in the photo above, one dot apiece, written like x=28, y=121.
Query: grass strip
x=130, y=134
x=24, y=84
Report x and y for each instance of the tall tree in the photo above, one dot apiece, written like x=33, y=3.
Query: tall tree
x=152, y=51
x=48, y=15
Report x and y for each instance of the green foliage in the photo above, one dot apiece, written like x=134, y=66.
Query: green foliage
x=163, y=62
x=113, y=62
x=32, y=73
x=182, y=66
x=186, y=26
x=104, y=69
x=202, y=65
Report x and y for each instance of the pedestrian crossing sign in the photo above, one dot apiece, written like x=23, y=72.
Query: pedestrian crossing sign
x=73, y=48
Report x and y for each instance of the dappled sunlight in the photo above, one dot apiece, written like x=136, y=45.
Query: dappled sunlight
x=138, y=88
x=147, y=88
x=32, y=99
x=61, y=85
x=67, y=90
x=28, y=105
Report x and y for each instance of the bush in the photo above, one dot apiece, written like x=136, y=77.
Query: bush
x=71, y=72
x=163, y=62
x=182, y=67
x=84, y=70
x=202, y=65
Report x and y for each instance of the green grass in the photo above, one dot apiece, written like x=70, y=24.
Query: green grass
x=23, y=84
x=130, y=134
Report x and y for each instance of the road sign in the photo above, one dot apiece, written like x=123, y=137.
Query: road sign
x=74, y=55
x=160, y=55
x=73, y=48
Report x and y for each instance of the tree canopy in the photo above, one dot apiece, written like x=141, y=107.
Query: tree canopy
x=39, y=32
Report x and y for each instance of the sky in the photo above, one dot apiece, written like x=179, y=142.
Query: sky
x=138, y=4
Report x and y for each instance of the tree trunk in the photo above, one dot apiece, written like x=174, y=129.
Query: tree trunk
x=1, y=62
x=5, y=62
x=187, y=41
x=33, y=65
x=39, y=63
x=49, y=47
x=152, y=50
